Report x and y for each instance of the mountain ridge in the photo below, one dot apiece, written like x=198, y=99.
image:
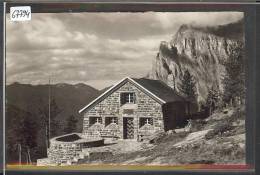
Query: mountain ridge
x=24, y=100
x=200, y=50
x=67, y=96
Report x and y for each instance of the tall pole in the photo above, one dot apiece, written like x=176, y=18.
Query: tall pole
x=47, y=137
x=20, y=153
x=29, y=155
x=49, y=121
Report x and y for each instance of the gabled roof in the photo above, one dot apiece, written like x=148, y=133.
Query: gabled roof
x=160, y=89
x=156, y=89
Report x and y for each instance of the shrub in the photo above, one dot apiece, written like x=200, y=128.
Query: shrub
x=220, y=128
x=197, y=125
x=238, y=114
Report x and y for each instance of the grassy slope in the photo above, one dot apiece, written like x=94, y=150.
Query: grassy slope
x=224, y=143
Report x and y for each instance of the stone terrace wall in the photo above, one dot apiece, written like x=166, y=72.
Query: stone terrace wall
x=61, y=152
x=110, y=107
x=64, y=152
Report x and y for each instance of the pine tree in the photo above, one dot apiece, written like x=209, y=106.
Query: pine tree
x=212, y=99
x=22, y=131
x=71, y=124
x=234, y=80
x=54, y=112
x=187, y=86
x=29, y=130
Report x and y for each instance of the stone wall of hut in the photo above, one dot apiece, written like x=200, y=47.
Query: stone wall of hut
x=144, y=106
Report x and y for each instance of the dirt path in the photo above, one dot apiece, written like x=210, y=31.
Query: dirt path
x=120, y=147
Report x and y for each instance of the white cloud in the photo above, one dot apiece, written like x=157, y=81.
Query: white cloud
x=93, y=47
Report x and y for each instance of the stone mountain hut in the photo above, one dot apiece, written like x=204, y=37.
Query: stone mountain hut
x=134, y=109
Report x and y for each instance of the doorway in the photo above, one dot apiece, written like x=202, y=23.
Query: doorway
x=128, y=128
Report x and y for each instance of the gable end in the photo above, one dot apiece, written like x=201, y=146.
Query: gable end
x=116, y=87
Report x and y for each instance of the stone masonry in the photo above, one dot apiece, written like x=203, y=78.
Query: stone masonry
x=144, y=106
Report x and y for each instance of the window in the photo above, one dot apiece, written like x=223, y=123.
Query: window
x=110, y=120
x=93, y=120
x=127, y=98
x=143, y=121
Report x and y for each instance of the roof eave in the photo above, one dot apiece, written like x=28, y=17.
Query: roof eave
x=156, y=97
x=92, y=102
x=161, y=101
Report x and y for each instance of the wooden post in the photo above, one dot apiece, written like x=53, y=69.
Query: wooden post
x=20, y=153
x=29, y=156
x=26, y=159
x=49, y=120
x=47, y=137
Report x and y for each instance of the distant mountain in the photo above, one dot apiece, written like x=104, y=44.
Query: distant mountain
x=200, y=50
x=69, y=98
x=25, y=100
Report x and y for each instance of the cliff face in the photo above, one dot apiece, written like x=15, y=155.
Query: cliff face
x=202, y=51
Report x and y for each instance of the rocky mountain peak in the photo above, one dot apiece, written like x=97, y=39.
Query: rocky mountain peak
x=200, y=50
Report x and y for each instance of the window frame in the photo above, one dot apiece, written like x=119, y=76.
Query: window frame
x=127, y=98
x=99, y=119
x=110, y=120
x=151, y=122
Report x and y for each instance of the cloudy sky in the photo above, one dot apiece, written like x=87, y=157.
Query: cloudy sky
x=93, y=48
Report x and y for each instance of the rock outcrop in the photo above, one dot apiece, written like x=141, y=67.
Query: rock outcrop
x=200, y=50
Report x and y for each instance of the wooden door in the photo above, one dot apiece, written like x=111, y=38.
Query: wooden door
x=128, y=128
